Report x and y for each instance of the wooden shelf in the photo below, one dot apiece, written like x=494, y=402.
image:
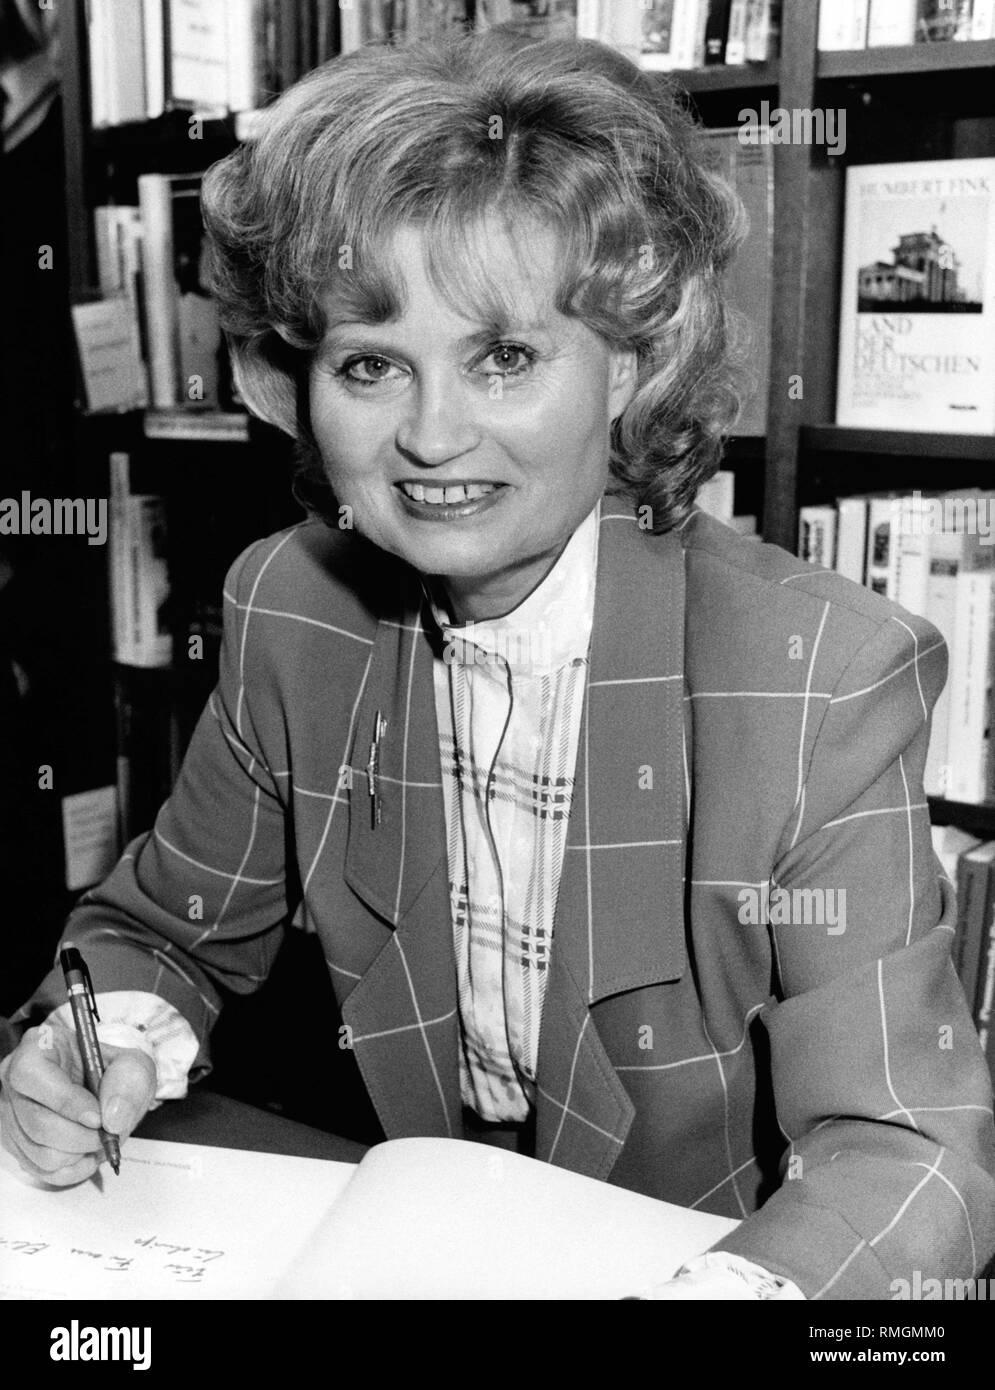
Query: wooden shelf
x=909, y=58
x=906, y=443
x=720, y=78
x=228, y=427
x=141, y=137
x=976, y=820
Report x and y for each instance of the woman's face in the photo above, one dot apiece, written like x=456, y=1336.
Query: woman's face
x=471, y=454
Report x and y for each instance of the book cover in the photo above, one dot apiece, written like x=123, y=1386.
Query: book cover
x=817, y=535
x=891, y=22
x=186, y=352
x=851, y=537
x=763, y=30
x=917, y=317
x=716, y=495
x=109, y=355
x=197, y=35
x=736, y=38
x=543, y=19
x=664, y=25
x=974, y=868
x=970, y=687
x=116, y=62
x=843, y=24
x=716, y=32
x=941, y=21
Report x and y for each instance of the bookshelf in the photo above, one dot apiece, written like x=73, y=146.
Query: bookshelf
x=911, y=102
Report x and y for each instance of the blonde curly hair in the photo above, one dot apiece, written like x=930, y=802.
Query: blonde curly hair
x=567, y=133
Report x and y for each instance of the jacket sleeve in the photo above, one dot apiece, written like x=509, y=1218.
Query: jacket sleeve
x=199, y=901
x=881, y=1088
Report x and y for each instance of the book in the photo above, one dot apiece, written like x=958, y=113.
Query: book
x=917, y=315
x=736, y=37
x=716, y=31
x=184, y=337
x=878, y=567
x=109, y=355
x=971, y=671
x=543, y=19
x=416, y=1218
x=618, y=23
x=748, y=165
x=973, y=898
x=716, y=495
x=763, y=30
x=196, y=34
x=983, y=19
x=817, y=535
x=949, y=844
x=154, y=56
x=668, y=40
x=941, y=21
x=116, y=49
x=890, y=23
x=139, y=574
x=842, y=24
x=984, y=993
x=851, y=537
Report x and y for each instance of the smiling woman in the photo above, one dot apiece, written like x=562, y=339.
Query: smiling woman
x=515, y=729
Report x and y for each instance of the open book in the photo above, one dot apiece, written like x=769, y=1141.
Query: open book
x=417, y=1218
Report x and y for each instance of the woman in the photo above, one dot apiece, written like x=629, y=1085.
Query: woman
x=561, y=771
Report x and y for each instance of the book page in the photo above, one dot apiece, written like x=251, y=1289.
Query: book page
x=180, y=1222
x=446, y=1218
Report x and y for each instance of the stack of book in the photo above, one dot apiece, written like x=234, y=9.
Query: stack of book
x=935, y=555
x=970, y=865
x=664, y=35
x=169, y=349
x=206, y=56
x=887, y=23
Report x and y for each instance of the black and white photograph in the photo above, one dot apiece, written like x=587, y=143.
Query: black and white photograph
x=497, y=661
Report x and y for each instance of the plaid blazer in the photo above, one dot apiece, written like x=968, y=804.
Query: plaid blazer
x=750, y=721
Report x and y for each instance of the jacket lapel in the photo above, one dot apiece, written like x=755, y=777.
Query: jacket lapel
x=619, y=921
x=402, y=1013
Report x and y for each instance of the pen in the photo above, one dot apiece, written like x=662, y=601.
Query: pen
x=79, y=987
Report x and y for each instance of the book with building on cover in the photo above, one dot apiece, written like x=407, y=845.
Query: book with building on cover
x=917, y=316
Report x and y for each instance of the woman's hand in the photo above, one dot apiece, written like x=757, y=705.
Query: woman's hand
x=49, y=1121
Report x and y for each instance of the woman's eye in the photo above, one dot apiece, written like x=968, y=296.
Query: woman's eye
x=505, y=355
x=374, y=369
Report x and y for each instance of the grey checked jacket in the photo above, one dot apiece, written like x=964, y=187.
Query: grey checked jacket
x=751, y=722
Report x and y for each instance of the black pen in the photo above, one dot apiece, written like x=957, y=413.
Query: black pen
x=79, y=986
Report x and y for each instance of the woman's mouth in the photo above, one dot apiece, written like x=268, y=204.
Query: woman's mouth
x=450, y=501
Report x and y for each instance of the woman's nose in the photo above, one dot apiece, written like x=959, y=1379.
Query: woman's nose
x=438, y=426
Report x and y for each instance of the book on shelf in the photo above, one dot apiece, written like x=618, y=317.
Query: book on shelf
x=716, y=496
x=842, y=24
x=671, y=35
x=934, y=554
x=749, y=167
x=110, y=359
x=185, y=345
x=139, y=573
x=891, y=23
x=942, y=21
x=204, y=56
x=917, y=315
x=970, y=865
